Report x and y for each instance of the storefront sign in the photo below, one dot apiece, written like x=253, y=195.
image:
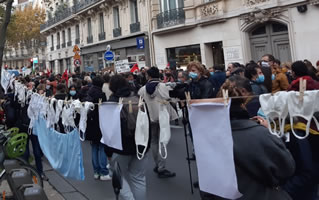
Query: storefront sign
x=232, y=53
x=109, y=55
x=122, y=66
x=140, y=43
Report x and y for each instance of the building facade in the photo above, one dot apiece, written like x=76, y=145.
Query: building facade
x=217, y=32
x=17, y=58
x=94, y=26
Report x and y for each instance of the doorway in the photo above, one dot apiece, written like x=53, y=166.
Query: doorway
x=270, y=38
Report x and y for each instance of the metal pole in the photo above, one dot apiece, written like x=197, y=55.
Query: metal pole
x=185, y=121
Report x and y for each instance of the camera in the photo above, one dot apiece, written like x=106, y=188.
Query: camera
x=179, y=91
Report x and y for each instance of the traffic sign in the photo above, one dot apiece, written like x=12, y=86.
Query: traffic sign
x=77, y=62
x=77, y=56
x=109, y=55
x=76, y=48
x=140, y=43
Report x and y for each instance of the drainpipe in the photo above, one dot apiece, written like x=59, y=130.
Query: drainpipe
x=150, y=28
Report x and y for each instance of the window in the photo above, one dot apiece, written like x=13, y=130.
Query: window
x=52, y=41
x=58, y=38
x=167, y=5
x=69, y=35
x=63, y=37
x=116, y=16
x=134, y=11
x=89, y=27
x=181, y=56
x=77, y=32
x=101, y=23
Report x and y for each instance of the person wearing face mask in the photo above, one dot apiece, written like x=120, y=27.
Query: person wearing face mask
x=73, y=93
x=168, y=76
x=134, y=87
x=200, y=87
x=300, y=70
x=266, y=64
x=254, y=74
x=48, y=89
x=279, y=79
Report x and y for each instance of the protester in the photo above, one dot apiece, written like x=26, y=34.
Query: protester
x=231, y=67
x=254, y=74
x=133, y=170
x=73, y=93
x=52, y=84
x=93, y=131
x=153, y=92
x=260, y=172
x=266, y=66
x=106, y=90
x=200, y=87
x=217, y=78
x=300, y=70
x=279, y=79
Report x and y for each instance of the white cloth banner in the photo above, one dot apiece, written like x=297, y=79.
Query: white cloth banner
x=110, y=124
x=213, y=145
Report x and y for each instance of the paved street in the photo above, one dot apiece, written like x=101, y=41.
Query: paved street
x=158, y=189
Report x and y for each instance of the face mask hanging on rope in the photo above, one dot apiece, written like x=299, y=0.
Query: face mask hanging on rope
x=165, y=130
x=142, y=130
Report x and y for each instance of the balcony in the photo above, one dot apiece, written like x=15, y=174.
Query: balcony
x=117, y=32
x=170, y=18
x=59, y=17
x=101, y=36
x=52, y=48
x=135, y=27
x=57, y=46
x=69, y=43
x=77, y=41
x=90, y=39
x=84, y=4
x=63, y=45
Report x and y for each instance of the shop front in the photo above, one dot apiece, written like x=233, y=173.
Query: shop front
x=123, y=49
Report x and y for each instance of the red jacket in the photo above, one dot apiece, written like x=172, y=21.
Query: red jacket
x=311, y=84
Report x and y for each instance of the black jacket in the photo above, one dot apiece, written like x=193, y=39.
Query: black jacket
x=262, y=162
x=93, y=131
x=201, y=89
x=217, y=80
x=128, y=122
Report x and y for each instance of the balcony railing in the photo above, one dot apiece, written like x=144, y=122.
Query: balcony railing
x=81, y=5
x=101, y=36
x=77, y=41
x=90, y=39
x=84, y=4
x=52, y=48
x=135, y=27
x=63, y=45
x=170, y=18
x=69, y=43
x=117, y=32
x=58, y=46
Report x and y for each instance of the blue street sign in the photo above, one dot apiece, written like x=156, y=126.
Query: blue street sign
x=109, y=55
x=140, y=43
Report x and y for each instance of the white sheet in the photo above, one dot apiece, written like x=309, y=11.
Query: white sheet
x=110, y=124
x=213, y=145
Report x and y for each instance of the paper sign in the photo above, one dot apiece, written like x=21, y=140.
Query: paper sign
x=122, y=66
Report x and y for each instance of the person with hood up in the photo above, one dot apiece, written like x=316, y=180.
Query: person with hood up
x=153, y=92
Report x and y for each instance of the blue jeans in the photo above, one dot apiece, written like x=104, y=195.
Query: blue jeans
x=99, y=159
x=37, y=152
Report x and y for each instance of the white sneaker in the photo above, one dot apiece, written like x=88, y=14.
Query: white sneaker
x=105, y=178
x=96, y=176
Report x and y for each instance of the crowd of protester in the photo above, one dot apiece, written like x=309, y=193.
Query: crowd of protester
x=272, y=171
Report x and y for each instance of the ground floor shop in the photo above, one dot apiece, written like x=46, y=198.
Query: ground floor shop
x=288, y=34
x=134, y=49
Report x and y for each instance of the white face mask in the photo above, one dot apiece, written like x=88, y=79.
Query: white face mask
x=275, y=107
x=304, y=109
x=141, y=132
x=165, y=130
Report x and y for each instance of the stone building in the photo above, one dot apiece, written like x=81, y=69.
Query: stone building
x=93, y=25
x=217, y=32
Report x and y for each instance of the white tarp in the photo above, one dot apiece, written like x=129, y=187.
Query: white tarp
x=213, y=145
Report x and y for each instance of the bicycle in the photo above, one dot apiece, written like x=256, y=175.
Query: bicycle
x=12, y=146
